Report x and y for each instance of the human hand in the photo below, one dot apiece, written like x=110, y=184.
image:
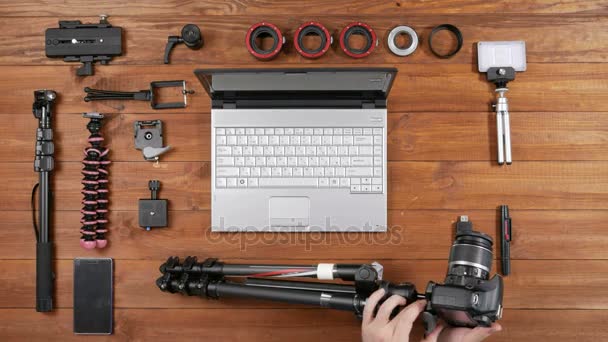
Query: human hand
x=383, y=329
x=459, y=334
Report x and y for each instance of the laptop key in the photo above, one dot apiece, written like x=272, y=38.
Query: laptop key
x=223, y=151
x=225, y=161
x=287, y=182
x=227, y=172
x=358, y=171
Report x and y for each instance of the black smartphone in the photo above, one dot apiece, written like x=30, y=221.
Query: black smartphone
x=93, y=297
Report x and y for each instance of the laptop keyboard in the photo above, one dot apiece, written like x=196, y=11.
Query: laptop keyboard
x=348, y=157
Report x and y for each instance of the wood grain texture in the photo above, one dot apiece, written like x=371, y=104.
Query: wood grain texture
x=538, y=284
x=414, y=185
x=413, y=234
x=411, y=136
x=441, y=151
x=578, y=38
x=281, y=325
x=417, y=88
x=48, y=8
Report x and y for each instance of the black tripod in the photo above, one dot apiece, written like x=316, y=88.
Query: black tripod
x=468, y=298
x=43, y=164
x=206, y=280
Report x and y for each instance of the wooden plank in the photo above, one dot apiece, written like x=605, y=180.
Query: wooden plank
x=539, y=284
x=413, y=185
x=412, y=136
x=468, y=136
x=575, y=38
x=418, y=88
x=282, y=325
x=413, y=234
x=187, y=134
x=47, y=8
x=477, y=185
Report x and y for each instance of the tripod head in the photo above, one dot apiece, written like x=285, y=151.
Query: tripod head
x=43, y=101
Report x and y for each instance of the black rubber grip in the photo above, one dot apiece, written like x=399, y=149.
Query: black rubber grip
x=506, y=258
x=44, y=277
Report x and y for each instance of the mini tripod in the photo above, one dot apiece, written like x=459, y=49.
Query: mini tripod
x=95, y=187
x=500, y=77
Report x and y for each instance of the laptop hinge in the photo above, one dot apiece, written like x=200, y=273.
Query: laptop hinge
x=368, y=105
x=223, y=104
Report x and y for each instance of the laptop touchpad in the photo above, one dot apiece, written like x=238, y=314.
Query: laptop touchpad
x=289, y=211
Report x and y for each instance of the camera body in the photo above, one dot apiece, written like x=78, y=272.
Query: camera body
x=468, y=298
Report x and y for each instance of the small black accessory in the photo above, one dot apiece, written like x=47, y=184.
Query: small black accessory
x=149, y=139
x=505, y=240
x=95, y=187
x=153, y=211
x=44, y=163
x=191, y=36
x=362, y=29
x=142, y=95
x=312, y=28
x=469, y=298
x=93, y=294
x=85, y=43
x=264, y=30
x=456, y=33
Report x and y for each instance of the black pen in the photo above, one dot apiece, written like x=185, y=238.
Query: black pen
x=505, y=227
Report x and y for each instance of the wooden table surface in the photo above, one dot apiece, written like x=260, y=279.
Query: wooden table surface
x=441, y=151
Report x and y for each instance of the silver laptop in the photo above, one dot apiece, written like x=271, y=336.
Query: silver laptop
x=298, y=150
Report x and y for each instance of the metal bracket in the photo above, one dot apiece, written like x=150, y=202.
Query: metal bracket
x=84, y=43
x=149, y=139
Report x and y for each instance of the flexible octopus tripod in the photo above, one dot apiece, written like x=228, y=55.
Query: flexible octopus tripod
x=95, y=187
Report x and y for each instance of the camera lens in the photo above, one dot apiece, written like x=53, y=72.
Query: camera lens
x=470, y=258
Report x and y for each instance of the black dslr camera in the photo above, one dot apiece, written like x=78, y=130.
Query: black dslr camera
x=468, y=298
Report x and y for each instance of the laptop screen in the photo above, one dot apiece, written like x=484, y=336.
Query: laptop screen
x=340, y=87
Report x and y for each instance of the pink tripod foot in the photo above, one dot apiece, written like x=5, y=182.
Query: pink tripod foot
x=87, y=244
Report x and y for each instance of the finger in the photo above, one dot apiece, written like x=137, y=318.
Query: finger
x=434, y=335
x=411, y=312
x=402, y=324
x=384, y=313
x=479, y=334
x=370, y=305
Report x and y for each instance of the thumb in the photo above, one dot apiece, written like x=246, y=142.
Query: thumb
x=434, y=335
x=479, y=334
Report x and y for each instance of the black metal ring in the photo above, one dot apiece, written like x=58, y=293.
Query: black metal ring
x=361, y=31
x=456, y=33
x=259, y=32
x=311, y=29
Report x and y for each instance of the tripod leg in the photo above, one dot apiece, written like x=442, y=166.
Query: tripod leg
x=500, y=137
x=338, y=301
x=507, y=140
